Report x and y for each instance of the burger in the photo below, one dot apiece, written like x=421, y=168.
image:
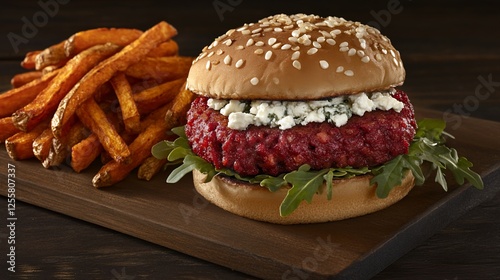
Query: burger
x=298, y=119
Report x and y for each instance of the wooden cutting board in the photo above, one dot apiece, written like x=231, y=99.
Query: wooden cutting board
x=175, y=216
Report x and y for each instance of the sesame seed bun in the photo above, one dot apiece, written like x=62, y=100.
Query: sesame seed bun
x=351, y=198
x=297, y=57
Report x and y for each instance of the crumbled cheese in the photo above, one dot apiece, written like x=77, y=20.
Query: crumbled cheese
x=385, y=101
x=287, y=114
x=361, y=104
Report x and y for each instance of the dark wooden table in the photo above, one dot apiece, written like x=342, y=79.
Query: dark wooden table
x=451, y=52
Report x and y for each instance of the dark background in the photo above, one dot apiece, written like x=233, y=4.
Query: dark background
x=446, y=46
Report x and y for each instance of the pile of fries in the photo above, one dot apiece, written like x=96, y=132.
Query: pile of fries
x=105, y=94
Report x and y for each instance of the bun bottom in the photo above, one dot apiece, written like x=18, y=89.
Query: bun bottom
x=350, y=198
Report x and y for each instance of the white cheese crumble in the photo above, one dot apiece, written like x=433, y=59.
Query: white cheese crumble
x=287, y=114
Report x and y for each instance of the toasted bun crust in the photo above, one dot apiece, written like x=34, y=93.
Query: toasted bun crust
x=297, y=57
x=351, y=198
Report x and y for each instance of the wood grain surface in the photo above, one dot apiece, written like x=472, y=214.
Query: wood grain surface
x=450, y=48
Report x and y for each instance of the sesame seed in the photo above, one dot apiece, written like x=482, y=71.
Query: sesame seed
x=210, y=54
x=208, y=65
x=292, y=39
x=351, y=52
x=360, y=29
x=362, y=43
x=344, y=49
x=215, y=62
x=245, y=32
x=240, y=47
x=202, y=55
x=219, y=52
x=365, y=59
x=268, y=55
x=228, y=42
x=296, y=33
x=259, y=44
x=295, y=55
x=227, y=60
x=312, y=51
x=295, y=48
x=317, y=45
x=258, y=51
x=325, y=34
x=339, y=69
x=250, y=42
x=320, y=39
x=256, y=30
x=286, y=46
x=392, y=53
x=268, y=29
x=277, y=29
x=296, y=64
x=239, y=63
x=271, y=41
x=361, y=53
x=335, y=32
x=343, y=44
x=323, y=64
x=254, y=81
x=378, y=57
x=275, y=46
x=384, y=51
x=331, y=42
x=242, y=28
x=349, y=73
x=395, y=61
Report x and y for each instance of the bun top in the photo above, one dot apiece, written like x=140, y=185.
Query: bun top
x=296, y=57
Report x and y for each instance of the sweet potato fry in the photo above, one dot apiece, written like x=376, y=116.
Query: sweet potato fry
x=47, y=101
x=29, y=60
x=53, y=55
x=85, y=39
x=150, y=167
x=16, y=98
x=177, y=114
x=20, y=145
x=61, y=147
x=85, y=152
x=49, y=69
x=130, y=114
x=161, y=68
x=154, y=97
x=103, y=72
x=24, y=78
x=7, y=128
x=168, y=48
x=92, y=116
x=113, y=171
x=42, y=144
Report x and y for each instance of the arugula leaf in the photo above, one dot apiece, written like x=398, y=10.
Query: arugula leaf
x=305, y=184
x=428, y=145
x=388, y=176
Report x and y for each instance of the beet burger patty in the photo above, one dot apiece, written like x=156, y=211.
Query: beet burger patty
x=370, y=140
